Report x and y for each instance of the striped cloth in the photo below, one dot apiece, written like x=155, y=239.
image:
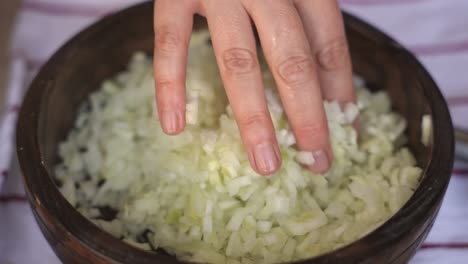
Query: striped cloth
x=436, y=31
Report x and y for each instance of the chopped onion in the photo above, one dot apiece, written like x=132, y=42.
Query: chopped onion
x=426, y=130
x=195, y=194
x=305, y=158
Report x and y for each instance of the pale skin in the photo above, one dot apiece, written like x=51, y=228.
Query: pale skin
x=305, y=47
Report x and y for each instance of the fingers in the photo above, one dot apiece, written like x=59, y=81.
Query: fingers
x=290, y=59
x=236, y=54
x=323, y=23
x=172, y=34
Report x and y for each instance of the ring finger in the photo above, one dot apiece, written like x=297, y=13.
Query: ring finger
x=290, y=59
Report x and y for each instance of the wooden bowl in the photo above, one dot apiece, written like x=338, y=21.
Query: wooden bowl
x=104, y=49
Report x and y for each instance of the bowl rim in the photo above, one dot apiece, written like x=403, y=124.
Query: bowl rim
x=437, y=172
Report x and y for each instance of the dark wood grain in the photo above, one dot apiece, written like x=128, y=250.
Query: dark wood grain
x=103, y=49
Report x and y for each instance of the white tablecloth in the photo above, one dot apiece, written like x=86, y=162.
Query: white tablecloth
x=436, y=30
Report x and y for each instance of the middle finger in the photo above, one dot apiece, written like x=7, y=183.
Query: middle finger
x=235, y=49
x=289, y=56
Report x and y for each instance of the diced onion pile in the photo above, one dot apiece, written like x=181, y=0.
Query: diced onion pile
x=195, y=194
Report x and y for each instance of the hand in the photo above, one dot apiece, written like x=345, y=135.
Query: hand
x=305, y=47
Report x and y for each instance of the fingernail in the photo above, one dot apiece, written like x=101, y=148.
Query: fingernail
x=322, y=163
x=170, y=121
x=265, y=158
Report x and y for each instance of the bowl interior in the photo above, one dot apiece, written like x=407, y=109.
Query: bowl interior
x=102, y=54
x=103, y=50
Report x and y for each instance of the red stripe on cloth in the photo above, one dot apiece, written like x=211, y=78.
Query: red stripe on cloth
x=65, y=9
x=450, y=245
x=380, y=2
x=460, y=172
x=12, y=198
x=31, y=63
x=14, y=108
x=4, y=174
x=457, y=100
x=439, y=49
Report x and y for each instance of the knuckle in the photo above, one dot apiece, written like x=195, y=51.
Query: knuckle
x=163, y=85
x=333, y=55
x=163, y=89
x=312, y=130
x=296, y=70
x=238, y=61
x=254, y=121
x=167, y=94
x=168, y=100
x=166, y=39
